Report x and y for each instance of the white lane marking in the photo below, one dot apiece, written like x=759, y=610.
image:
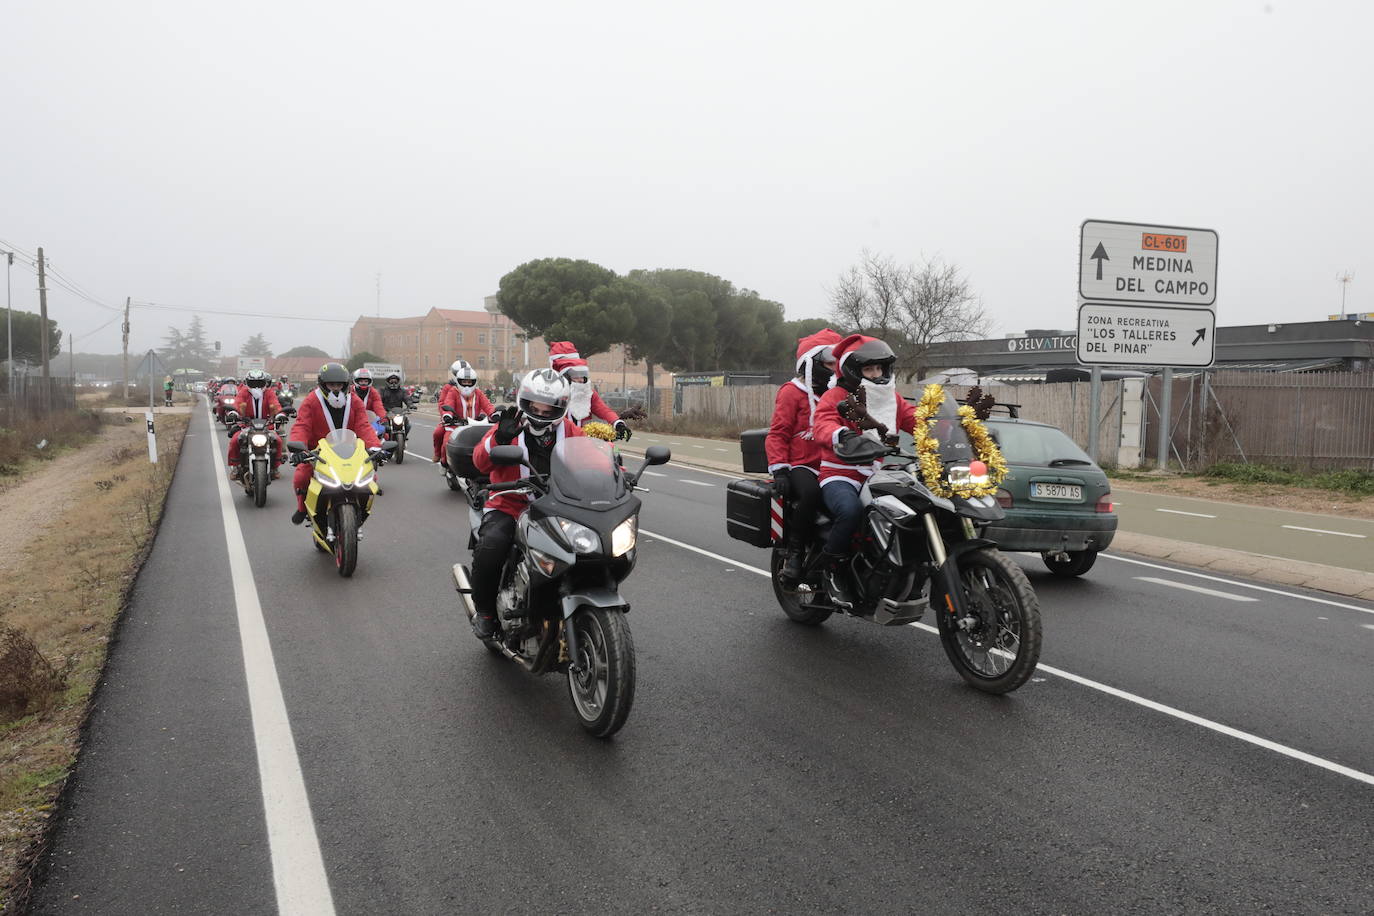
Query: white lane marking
x=1113, y=691
x=654, y=474
x=720, y=449
x=1258, y=588
x=1368, y=626
x=1344, y=534
x=297, y=865
x=695, y=483
x=1181, y=512
x=421, y=457
x=1196, y=588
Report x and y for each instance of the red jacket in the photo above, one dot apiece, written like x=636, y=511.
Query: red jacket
x=513, y=504
x=789, y=443
x=450, y=401
x=829, y=424
x=373, y=402
x=244, y=403
x=600, y=410
x=313, y=422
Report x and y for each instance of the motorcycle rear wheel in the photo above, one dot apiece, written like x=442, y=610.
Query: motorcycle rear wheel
x=346, y=538
x=604, y=690
x=260, y=475
x=401, y=449
x=791, y=601
x=1001, y=657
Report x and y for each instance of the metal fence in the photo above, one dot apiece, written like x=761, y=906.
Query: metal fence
x=1308, y=420
x=34, y=395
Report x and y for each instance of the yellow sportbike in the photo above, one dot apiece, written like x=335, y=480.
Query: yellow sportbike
x=340, y=494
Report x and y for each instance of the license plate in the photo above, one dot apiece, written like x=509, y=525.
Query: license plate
x=1057, y=491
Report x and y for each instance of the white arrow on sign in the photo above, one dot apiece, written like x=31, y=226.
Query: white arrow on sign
x=1135, y=262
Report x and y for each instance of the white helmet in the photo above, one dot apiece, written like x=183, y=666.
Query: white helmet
x=462, y=371
x=543, y=398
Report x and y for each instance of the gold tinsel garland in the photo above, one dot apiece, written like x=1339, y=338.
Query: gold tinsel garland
x=598, y=430
x=928, y=449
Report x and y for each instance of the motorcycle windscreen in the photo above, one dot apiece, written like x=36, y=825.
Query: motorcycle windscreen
x=955, y=448
x=584, y=471
x=343, y=442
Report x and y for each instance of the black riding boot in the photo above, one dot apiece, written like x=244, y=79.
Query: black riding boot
x=837, y=579
x=792, y=568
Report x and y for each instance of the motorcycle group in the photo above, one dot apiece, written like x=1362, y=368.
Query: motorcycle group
x=855, y=524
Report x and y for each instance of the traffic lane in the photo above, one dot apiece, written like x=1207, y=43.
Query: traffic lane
x=1235, y=659
x=1328, y=539
x=165, y=803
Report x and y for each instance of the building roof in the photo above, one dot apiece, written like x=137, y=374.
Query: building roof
x=464, y=316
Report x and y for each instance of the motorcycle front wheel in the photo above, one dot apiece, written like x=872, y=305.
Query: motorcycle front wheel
x=401, y=449
x=603, y=686
x=346, y=538
x=997, y=646
x=260, y=475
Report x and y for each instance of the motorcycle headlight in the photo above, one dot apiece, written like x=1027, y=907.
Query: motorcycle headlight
x=327, y=477
x=259, y=440
x=623, y=537
x=580, y=537
x=960, y=476
x=365, y=476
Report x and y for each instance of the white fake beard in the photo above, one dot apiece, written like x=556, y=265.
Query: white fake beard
x=882, y=406
x=580, y=401
x=335, y=399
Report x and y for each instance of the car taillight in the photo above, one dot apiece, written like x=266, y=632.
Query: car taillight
x=1104, y=503
x=1003, y=499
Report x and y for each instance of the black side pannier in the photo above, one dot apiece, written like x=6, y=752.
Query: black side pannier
x=460, y=447
x=753, y=452
x=749, y=511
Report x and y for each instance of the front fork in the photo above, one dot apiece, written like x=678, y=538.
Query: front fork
x=948, y=561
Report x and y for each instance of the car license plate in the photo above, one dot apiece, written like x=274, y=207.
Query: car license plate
x=1057, y=491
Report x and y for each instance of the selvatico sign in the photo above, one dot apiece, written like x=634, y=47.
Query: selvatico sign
x=1145, y=335
x=1132, y=262
x=1037, y=344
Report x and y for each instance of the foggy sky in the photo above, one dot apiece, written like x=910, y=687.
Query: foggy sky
x=275, y=157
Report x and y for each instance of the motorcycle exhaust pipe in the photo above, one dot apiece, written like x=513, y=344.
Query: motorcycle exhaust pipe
x=464, y=588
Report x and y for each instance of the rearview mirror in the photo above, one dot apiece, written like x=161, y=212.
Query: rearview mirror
x=507, y=455
x=657, y=454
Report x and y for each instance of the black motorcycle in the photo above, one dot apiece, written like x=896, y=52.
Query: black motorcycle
x=559, y=602
x=258, y=442
x=912, y=549
x=397, y=429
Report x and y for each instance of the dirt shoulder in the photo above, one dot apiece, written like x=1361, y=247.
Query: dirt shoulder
x=1272, y=496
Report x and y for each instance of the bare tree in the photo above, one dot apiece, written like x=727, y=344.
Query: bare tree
x=911, y=306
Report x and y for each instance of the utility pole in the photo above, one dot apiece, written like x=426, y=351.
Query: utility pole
x=43, y=315
x=1344, y=280
x=124, y=392
x=9, y=321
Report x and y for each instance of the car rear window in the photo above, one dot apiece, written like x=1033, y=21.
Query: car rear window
x=1027, y=444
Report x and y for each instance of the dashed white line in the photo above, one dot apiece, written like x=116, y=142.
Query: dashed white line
x=421, y=457
x=1257, y=588
x=1344, y=534
x=654, y=474
x=1181, y=512
x=695, y=483
x=720, y=449
x=1196, y=588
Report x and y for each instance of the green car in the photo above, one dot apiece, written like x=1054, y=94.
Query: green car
x=1058, y=501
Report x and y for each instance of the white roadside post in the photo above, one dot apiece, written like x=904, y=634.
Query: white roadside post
x=1146, y=298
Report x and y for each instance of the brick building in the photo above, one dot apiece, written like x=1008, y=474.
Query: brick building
x=427, y=344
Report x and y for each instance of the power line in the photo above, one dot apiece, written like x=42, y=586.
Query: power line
x=204, y=311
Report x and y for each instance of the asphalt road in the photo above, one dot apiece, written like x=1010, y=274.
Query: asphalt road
x=1179, y=750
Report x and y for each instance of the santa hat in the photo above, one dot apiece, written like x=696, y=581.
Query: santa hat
x=845, y=348
x=562, y=354
x=808, y=348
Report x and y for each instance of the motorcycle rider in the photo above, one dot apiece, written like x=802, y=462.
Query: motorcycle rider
x=255, y=399
x=362, y=387
x=794, y=456
x=333, y=406
x=460, y=399
x=393, y=395
x=228, y=388
x=584, y=401
x=861, y=401
x=537, y=423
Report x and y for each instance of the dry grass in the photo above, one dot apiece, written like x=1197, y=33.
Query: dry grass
x=692, y=425
x=62, y=429
x=65, y=597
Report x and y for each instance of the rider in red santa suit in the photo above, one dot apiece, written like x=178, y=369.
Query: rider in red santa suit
x=255, y=399
x=794, y=456
x=537, y=424
x=862, y=401
x=330, y=407
x=584, y=402
x=460, y=399
x=371, y=398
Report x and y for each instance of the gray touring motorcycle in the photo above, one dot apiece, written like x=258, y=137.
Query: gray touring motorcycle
x=912, y=549
x=559, y=601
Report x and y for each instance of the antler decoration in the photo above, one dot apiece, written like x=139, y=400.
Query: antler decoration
x=855, y=409
x=633, y=413
x=982, y=404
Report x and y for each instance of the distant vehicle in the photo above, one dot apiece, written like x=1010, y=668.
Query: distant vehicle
x=200, y=387
x=1058, y=502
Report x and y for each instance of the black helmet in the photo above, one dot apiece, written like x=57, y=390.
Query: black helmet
x=333, y=372
x=393, y=381
x=869, y=353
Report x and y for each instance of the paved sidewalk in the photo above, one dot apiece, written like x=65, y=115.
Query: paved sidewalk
x=1352, y=583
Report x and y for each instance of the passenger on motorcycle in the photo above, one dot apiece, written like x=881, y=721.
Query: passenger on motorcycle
x=584, y=402
x=255, y=399
x=862, y=401
x=329, y=407
x=282, y=385
x=362, y=387
x=460, y=399
x=794, y=456
x=537, y=424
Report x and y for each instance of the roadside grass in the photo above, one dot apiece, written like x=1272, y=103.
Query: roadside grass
x=62, y=429
x=1347, y=482
x=65, y=596
x=106, y=397
x=695, y=426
